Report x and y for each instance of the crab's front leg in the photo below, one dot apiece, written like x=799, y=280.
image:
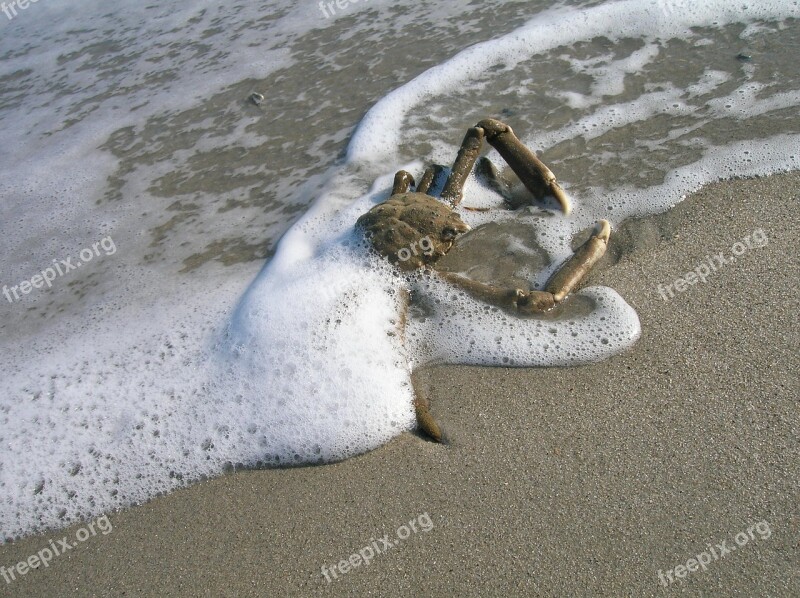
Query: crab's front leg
x=561, y=284
x=403, y=181
x=429, y=177
x=533, y=173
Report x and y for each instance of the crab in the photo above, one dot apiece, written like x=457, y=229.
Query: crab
x=411, y=219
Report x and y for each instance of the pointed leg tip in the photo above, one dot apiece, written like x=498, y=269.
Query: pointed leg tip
x=562, y=198
x=603, y=230
x=427, y=426
x=433, y=434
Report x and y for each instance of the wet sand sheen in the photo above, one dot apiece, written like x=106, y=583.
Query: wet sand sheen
x=558, y=481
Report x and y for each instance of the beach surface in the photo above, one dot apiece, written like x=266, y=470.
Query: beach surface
x=603, y=480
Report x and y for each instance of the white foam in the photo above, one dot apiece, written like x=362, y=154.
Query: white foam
x=558, y=27
x=608, y=74
x=463, y=331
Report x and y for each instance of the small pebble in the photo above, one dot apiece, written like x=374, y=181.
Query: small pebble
x=257, y=98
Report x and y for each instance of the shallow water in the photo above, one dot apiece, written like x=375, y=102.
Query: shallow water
x=159, y=362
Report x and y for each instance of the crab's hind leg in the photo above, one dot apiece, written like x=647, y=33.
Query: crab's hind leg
x=533, y=173
x=469, y=152
x=575, y=268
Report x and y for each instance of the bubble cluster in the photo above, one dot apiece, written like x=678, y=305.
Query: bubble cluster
x=465, y=331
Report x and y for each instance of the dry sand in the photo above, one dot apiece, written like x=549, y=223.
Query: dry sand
x=560, y=482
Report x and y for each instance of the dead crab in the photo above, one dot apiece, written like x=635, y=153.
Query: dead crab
x=408, y=217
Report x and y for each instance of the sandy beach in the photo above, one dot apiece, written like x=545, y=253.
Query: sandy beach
x=604, y=480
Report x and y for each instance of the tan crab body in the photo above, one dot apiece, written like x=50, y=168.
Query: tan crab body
x=412, y=230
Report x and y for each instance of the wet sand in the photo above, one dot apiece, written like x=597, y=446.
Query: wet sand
x=558, y=482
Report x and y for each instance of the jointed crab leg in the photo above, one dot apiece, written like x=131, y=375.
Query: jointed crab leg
x=576, y=267
x=510, y=299
x=560, y=285
x=533, y=173
x=429, y=177
x=470, y=149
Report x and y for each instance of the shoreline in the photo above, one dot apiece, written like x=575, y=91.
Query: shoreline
x=596, y=480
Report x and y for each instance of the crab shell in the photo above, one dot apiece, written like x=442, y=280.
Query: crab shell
x=412, y=230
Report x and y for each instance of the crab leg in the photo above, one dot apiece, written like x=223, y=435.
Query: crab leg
x=488, y=172
x=576, y=267
x=426, y=181
x=422, y=405
x=402, y=182
x=429, y=178
x=470, y=149
x=560, y=285
x=514, y=300
x=533, y=173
